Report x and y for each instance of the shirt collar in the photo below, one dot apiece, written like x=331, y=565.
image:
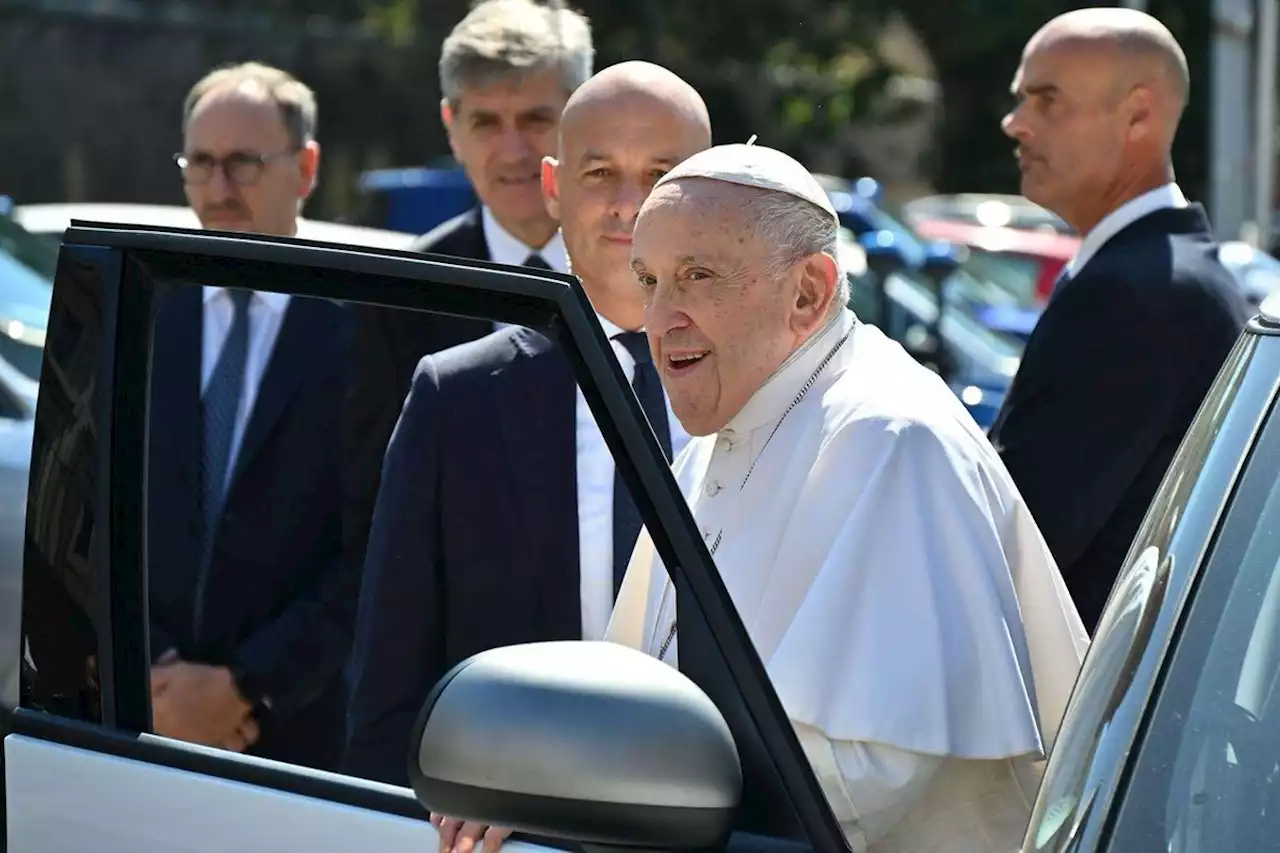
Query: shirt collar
x=505, y=248
x=779, y=390
x=275, y=302
x=1160, y=198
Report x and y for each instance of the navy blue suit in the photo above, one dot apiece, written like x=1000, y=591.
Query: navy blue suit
x=1109, y=382
x=280, y=599
x=474, y=541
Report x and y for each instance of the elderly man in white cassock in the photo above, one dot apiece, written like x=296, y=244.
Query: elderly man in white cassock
x=908, y=612
x=905, y=605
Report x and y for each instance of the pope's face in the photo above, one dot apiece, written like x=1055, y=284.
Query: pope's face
x=720, y=317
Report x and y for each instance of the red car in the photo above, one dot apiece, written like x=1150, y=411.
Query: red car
x=1026, y=262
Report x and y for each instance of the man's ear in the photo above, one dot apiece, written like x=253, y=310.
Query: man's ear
x=551, y=186
x=817, y=286
x=309, y=165
x=447, y=118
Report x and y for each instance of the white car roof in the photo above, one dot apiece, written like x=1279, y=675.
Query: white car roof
x=54, y=219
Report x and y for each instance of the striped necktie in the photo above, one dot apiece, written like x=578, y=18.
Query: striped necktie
x=220, y=405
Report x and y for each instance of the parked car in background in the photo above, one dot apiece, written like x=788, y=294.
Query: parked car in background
x=987, y=209
x=940, y=332
x=1257, y=272
x=51, y=220
x=1026, y=263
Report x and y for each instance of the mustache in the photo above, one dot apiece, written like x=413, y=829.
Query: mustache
x=224, y=207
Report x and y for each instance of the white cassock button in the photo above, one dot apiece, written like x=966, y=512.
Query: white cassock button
x=712, y=488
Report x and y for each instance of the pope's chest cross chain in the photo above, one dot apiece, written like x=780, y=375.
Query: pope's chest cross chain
x=715, y=545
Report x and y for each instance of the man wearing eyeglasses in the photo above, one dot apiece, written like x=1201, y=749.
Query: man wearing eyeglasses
x=251, y=603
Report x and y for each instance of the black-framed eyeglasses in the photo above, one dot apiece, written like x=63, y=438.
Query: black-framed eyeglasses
x=239, y=167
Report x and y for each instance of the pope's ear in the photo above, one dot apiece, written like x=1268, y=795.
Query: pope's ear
x=817, y=286
x=551, y=186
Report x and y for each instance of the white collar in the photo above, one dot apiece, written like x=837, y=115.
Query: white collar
x=275, y=302
x=1160, y=198
x=504, y=248
x=771, y=400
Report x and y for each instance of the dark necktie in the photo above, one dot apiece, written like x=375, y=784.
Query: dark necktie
x=535, y=260
x=626, y=518
x=220, y=404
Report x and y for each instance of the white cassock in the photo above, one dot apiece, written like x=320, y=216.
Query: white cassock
x=905, y=605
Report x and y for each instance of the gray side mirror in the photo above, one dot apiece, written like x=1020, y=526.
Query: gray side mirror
x=581, y=741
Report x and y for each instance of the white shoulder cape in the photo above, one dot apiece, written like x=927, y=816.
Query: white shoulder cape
x=900, y=592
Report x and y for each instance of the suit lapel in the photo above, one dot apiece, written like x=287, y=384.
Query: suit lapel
x=479, y=246
x=539, y=426
x=285, y=370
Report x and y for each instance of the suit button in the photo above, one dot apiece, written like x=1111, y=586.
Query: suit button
x=712, y=488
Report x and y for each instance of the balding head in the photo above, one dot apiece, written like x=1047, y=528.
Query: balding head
x=1101, y=92
x=620, y=131
x=1140, y=50
x=637, y=81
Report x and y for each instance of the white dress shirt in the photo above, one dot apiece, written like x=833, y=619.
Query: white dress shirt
x=595, y=464
x=1160, y=198
x=505, y=248
x=595, y=500
x=266, y=313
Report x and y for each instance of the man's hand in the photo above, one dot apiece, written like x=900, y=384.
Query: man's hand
x=200, y=704
x=459, y=836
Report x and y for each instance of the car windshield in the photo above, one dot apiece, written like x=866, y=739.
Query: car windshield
x=972, y=289
x=20, y=246
x=1015, y=276
x=1207, y=778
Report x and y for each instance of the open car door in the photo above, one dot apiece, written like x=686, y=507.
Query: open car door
x=81, y=770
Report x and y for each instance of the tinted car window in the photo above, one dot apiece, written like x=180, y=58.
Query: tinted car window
x=1207, y=777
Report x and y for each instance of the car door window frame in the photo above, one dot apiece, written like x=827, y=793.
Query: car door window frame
x=134, y=267
x=1087, y=771
x=1212, y=591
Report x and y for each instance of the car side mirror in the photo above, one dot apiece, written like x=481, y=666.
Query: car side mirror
x=590, y=742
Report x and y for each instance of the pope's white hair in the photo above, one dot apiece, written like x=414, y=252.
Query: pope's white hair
x=797, y=228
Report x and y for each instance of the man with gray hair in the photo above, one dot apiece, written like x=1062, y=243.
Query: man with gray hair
x=506, y=71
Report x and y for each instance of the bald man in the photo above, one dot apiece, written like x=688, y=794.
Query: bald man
x=1145, y=314
x=500, y=518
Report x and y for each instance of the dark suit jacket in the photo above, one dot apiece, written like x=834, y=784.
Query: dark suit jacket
x=279, y=600
x=1110, y=380
x=387, y=348
x=475, y=538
